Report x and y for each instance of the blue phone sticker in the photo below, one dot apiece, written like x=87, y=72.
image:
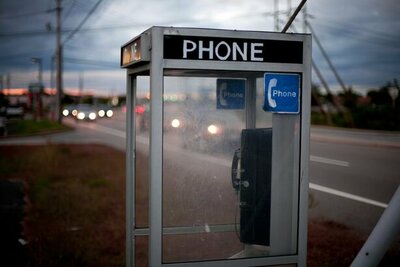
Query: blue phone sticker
x=230, y=94
x=282, y=93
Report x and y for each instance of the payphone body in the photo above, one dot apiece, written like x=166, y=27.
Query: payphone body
x=255, y=186
x=195, y=217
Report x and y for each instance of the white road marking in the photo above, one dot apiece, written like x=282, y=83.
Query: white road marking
x=228, y=164
x=347, y=195
x=329, y=161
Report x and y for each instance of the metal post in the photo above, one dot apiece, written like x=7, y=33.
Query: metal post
x=251, y=96
x=382, y=236
x=305, y=154
x=39, y=62
x=305, y=17
x=294, y=16
x=289, y=8
x=59, y=63
x=80, y=86
x=37, y=95
x=8, y=83
x=53, y=102
x=156, y=149
x=276, y=14
x=130, y=173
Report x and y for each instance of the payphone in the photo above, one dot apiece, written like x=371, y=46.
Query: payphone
x=208, y=94
x=253, y=181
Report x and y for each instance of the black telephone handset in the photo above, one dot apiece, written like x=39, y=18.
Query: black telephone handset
x=235, y=171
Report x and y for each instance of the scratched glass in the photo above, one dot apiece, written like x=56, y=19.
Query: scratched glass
x=200, y=206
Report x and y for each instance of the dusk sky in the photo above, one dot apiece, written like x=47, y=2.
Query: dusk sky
x=362, y=37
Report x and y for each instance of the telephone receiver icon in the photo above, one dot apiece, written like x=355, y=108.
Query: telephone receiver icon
x=271, y=84
x=222, y=100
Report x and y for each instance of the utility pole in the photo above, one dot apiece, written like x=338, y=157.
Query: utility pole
x=289, y=9
x=338, y=78
x=40, y=69
x=8, y=82
x=305, y=19
x=59, y=63
x=276, y=15
x=52, y=73
x=80, y=86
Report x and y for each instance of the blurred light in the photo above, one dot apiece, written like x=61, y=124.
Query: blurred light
x=65, y=112
x=114, y=101
x=15, y=91
x=81, y=116
x=140, y=109
x=131, y=52
x=74, y=112
x=92, y=115
x=175, y=123
x=212, y=129
x=109, y=113
x=102, y=113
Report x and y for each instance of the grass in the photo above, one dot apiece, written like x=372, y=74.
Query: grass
x=75, y=214
x=75, y=211
x=31, y=127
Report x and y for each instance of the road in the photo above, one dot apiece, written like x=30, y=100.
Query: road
x=353, y=173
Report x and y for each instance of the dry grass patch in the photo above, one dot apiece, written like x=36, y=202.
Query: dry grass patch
x=76, y=203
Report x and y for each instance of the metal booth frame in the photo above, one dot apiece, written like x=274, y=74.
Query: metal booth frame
x=150, y=61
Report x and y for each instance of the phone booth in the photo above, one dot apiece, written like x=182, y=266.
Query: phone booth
x=217, y=147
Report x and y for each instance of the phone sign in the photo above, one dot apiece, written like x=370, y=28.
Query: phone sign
x=282, y=92
x=230, y=93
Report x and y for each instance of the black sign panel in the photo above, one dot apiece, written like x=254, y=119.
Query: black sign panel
x=232, y=49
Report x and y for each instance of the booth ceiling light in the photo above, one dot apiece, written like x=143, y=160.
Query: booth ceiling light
x=131, y=52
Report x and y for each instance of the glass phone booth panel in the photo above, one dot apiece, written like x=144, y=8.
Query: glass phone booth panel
x=200, y=207
x=217, y=169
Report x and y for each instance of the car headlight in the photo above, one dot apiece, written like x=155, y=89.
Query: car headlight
x=92, y=115
x=74, y=112
x=175, y=123
x=109, y=113
x=65, y=112
x=212, y=129
x=102, y=113
x=80, y=116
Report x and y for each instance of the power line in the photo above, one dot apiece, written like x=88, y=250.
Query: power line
x=377, y=37
x=338, y=78
x=42, y=32
x=69, y=10
x=82, y=22
x=357, y=28
x=91, y=62
x=18, y=15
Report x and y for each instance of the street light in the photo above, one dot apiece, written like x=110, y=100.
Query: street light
x=394, y=93
x=39, y=62
x=37, y=90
